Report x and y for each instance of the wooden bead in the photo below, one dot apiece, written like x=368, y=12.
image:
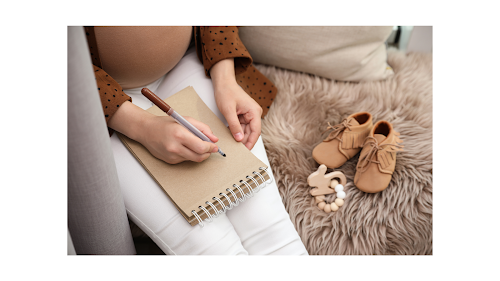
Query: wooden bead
x=334, y=207
x=328, y=208
x=319, y=199
x=334, y=183
x=321, y=205
x=339, y=202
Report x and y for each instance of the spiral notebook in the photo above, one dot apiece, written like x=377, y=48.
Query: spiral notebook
x=202, y=191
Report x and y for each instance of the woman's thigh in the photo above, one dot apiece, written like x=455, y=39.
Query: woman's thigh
x=262, y=223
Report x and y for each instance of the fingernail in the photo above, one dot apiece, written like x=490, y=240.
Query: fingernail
x=215, y=149
x=238, y=136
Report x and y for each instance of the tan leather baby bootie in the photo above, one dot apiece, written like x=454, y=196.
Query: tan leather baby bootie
x=378, y=158
x=344, y=141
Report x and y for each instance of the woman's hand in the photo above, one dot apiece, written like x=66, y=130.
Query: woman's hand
x=172, y=143
x=242, y=113
x=162, y=136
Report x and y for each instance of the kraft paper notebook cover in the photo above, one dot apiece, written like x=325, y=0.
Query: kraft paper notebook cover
x=189, y=184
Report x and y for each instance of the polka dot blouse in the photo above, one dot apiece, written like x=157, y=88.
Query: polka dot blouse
x=213, y=44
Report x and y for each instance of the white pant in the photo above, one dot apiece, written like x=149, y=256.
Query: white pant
x=258, y=226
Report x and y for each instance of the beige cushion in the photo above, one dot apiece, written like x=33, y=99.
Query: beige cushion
x=346, y=53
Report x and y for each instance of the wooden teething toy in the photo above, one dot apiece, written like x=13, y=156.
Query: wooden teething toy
x=326, y=184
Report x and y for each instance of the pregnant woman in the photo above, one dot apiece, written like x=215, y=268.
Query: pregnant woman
x=216, y=63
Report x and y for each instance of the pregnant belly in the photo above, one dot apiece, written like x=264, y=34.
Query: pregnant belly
x=136, y=56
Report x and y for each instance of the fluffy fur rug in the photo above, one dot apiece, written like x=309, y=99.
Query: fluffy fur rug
x=397, y=220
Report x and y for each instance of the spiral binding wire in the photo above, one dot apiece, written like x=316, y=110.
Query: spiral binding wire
x=256, y=183
x=217, y=212
x=231, y=205
x=270, y=178
x=244, y=195
x=250, y=188
x=236, y=202
x=197, y=217
x=207, y=212
x=260, y=176
x=224, y=207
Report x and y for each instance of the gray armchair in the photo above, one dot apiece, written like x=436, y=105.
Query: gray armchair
x=97, y=219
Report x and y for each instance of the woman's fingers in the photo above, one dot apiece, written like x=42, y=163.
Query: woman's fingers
x=196, y=145
x=252, y=129
x=246, y=133
x=252, y=140
x=233, y=123
x=204, y=128
x=188, y=154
